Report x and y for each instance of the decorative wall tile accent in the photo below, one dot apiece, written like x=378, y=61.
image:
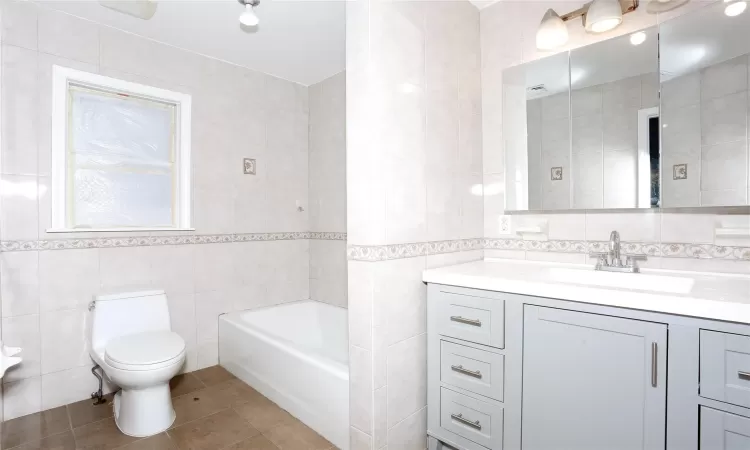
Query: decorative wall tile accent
x=248, y=166
x=143, y=241
x=679, y=172
x=666, y=250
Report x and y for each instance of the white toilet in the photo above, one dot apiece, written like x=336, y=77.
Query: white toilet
x=132, y=341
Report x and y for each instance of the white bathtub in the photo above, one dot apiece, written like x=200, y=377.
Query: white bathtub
x=296, y=355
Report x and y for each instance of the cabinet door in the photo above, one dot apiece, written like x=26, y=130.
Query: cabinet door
x=724, y=431
x=592, y=381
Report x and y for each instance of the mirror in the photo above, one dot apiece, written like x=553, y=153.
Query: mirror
x=536, y=134
x=614, y=123
x=704, y=99
x=581, y=129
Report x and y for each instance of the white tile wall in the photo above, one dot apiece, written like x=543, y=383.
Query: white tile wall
x=237, y=113
x=414, y=173
x=328, y=278
x=708, y=132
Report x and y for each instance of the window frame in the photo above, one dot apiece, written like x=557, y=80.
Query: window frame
x=62, y=78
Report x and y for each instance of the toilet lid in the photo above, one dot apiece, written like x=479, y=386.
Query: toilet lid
x=140, y=349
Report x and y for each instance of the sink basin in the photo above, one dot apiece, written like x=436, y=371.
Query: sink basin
x=636, y=281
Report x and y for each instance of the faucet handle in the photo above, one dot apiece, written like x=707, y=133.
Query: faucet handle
x=632, y=260
x=601, y=258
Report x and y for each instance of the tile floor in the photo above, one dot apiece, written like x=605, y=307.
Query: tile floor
x=214, y=410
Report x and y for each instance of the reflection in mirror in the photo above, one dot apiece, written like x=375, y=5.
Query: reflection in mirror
x=536, y=133
x=704, y=75
x=614, y=123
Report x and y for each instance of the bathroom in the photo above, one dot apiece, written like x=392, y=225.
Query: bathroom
x=378, y=160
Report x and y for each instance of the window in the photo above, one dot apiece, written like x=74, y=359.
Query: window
x=120, y=155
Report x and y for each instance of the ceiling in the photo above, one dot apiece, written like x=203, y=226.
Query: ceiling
x=481, y=4
x=297, y=40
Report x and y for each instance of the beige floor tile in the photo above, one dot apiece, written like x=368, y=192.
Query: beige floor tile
x=193, y=406
x=102, y=435
x=61, y=441
x=213, y=375
x=264, y=414
x=213, y=432
x=254, y=443
x=185, y=384
x=85, y=412
x=33, y=427
x=296, y=436
x=232, y=393
x=161, y=441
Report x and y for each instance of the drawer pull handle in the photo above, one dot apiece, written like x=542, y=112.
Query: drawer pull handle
x=472, y=373
x=476, y=323
x=654, y=363
x=744, y=375
x=460, y=418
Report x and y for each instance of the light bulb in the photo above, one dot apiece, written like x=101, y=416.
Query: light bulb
x=603, y=15
x=248, y=17
x=552, y=32
x=735, y=9
x=604, y=25
x=638, y=38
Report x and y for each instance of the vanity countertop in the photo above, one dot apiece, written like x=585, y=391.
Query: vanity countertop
x=712, y=296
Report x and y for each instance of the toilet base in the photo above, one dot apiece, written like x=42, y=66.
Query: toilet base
x=144, y=412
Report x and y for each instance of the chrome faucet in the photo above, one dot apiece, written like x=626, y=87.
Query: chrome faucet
x=611, y=261
x=614, y=249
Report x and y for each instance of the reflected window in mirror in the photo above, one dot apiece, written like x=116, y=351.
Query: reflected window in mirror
x=614, y=97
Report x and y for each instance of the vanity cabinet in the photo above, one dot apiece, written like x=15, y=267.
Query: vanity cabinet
x=725, y=367
x=590, y=380
x=724, y=431
x=507, y=371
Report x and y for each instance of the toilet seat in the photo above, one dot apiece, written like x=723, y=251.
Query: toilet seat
x=149, y=350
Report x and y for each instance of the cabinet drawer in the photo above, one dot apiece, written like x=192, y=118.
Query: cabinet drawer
x=723, y=431
x=471, y=318
x=475, y=370
x=478, y=421
x=725, y=367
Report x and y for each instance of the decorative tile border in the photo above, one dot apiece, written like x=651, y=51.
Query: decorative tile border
x=666, y=250
x=398, y=251
x=144, y=241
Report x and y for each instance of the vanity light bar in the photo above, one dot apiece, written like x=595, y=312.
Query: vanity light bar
x=627, y=6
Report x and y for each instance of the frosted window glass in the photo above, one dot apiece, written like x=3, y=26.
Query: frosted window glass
x=121, y=199
x=121, y=161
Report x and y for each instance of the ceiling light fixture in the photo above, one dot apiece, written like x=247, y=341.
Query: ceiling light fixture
x=552, y=32
x=248, y=18
x=603, y=15
x=735, y=9
x=638, y=38
x=598, y=16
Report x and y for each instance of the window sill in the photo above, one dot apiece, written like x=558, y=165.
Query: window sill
x=113, y=230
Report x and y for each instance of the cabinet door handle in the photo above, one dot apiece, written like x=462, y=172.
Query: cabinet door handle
x=476, y=323
x=654, y=363
x=744, y=375
x=471, y=373
x=460, y=418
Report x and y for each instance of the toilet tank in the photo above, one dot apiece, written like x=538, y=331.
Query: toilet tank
x=134, y=312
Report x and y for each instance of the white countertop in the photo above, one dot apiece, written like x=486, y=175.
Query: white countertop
x=713, y=296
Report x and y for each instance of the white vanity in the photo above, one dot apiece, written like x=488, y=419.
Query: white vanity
x=540, y=356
